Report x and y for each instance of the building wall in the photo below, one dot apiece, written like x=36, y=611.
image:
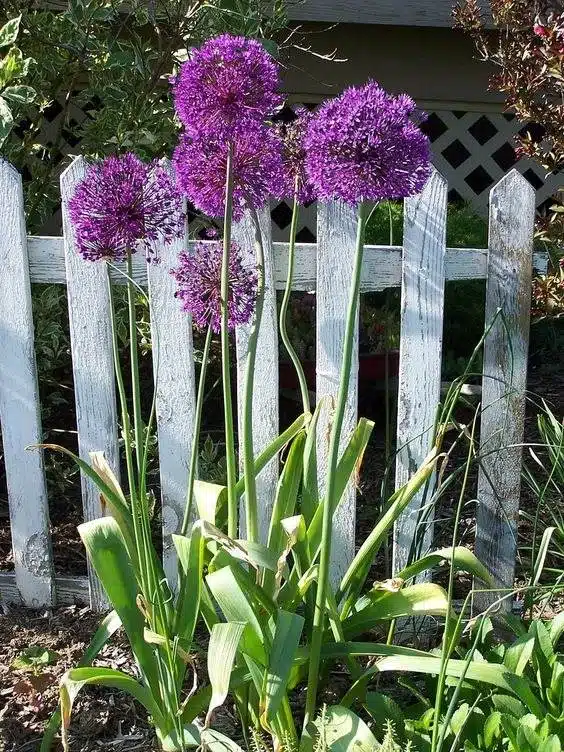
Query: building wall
x=436, y=66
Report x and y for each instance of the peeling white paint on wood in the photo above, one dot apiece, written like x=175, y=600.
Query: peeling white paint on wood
x=422, y=308
x=381, y=267
x=266, y=391
x=173, y=365
x=20, y=414
x=512, y=213
x=92, y=360
x=336, y=234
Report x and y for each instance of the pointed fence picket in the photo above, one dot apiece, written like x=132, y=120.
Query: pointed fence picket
x=419, y=268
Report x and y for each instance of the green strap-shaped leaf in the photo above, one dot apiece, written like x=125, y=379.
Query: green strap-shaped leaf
x=422, y=599
x=461, y=558
x=286, y=640
x=191, y=557
x=349, y=462
x=224, y=641
x=107, y=551
x=73, y=681
x=110, y=624
x=488, y=673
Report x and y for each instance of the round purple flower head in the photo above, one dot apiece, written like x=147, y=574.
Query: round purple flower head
x=199, y=286
x=293, y=136
x=201, y=167
x=229, y=83
x=122, y=204
x=364, y=146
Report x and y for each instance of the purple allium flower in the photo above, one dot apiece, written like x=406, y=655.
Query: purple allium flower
x=293, y=136
x=201, y=167
x=364, y=146
x=199, y=286
x=229, y=83
x=122, y=204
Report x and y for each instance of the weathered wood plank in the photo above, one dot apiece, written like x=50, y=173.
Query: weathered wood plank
x=381, y=266
x=20, y=412
x=68, y=590
x=405, y=13
x=512, y=212
x=92, y=360
x=173, y=365
x=265, y=394
x=336, y=233
x=422, y=307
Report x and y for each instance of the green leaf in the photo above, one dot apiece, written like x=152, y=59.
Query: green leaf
x=73, y=681
x=487, y=673
x=33, y=658
x=357, y=572
x=492, y=729
x=310, y=490
x=20, y=93
x=107, y=551
x=191, y=557
x=241, y=600
x=509, y=705
x=110, y=624
x=341, y=730
x=284, y=645
x=209, y=499
x=461, y=558
x=552, y=744
x=425, y=598
x=224, y=641
x=383, y=709
x=519, y=653
x=214, y=741
x=9, y=32
x=350, y=462
x=284, y=504
x=6, y=121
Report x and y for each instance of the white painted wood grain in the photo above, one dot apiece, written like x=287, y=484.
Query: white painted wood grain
x=92, y=361
x=381, y=265
x=265, y=395
x=512, y=213
x=173, y=365
x=393, y=12
x=336, y=234
x=20, y=412
x=422, y=308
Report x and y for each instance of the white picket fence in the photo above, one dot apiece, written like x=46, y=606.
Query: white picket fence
x=420, y=268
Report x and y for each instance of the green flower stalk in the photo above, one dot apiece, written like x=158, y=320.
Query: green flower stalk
x=284, y=309
x=225, y=364
x=329, y=501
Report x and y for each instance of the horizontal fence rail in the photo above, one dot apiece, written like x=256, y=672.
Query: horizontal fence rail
x=419, y=268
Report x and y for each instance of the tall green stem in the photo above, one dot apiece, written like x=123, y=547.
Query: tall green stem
x=328, y=506
x=135, y=383
x=251, y=508
x=284, y=309
x=193, y=467
x=225, y=364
